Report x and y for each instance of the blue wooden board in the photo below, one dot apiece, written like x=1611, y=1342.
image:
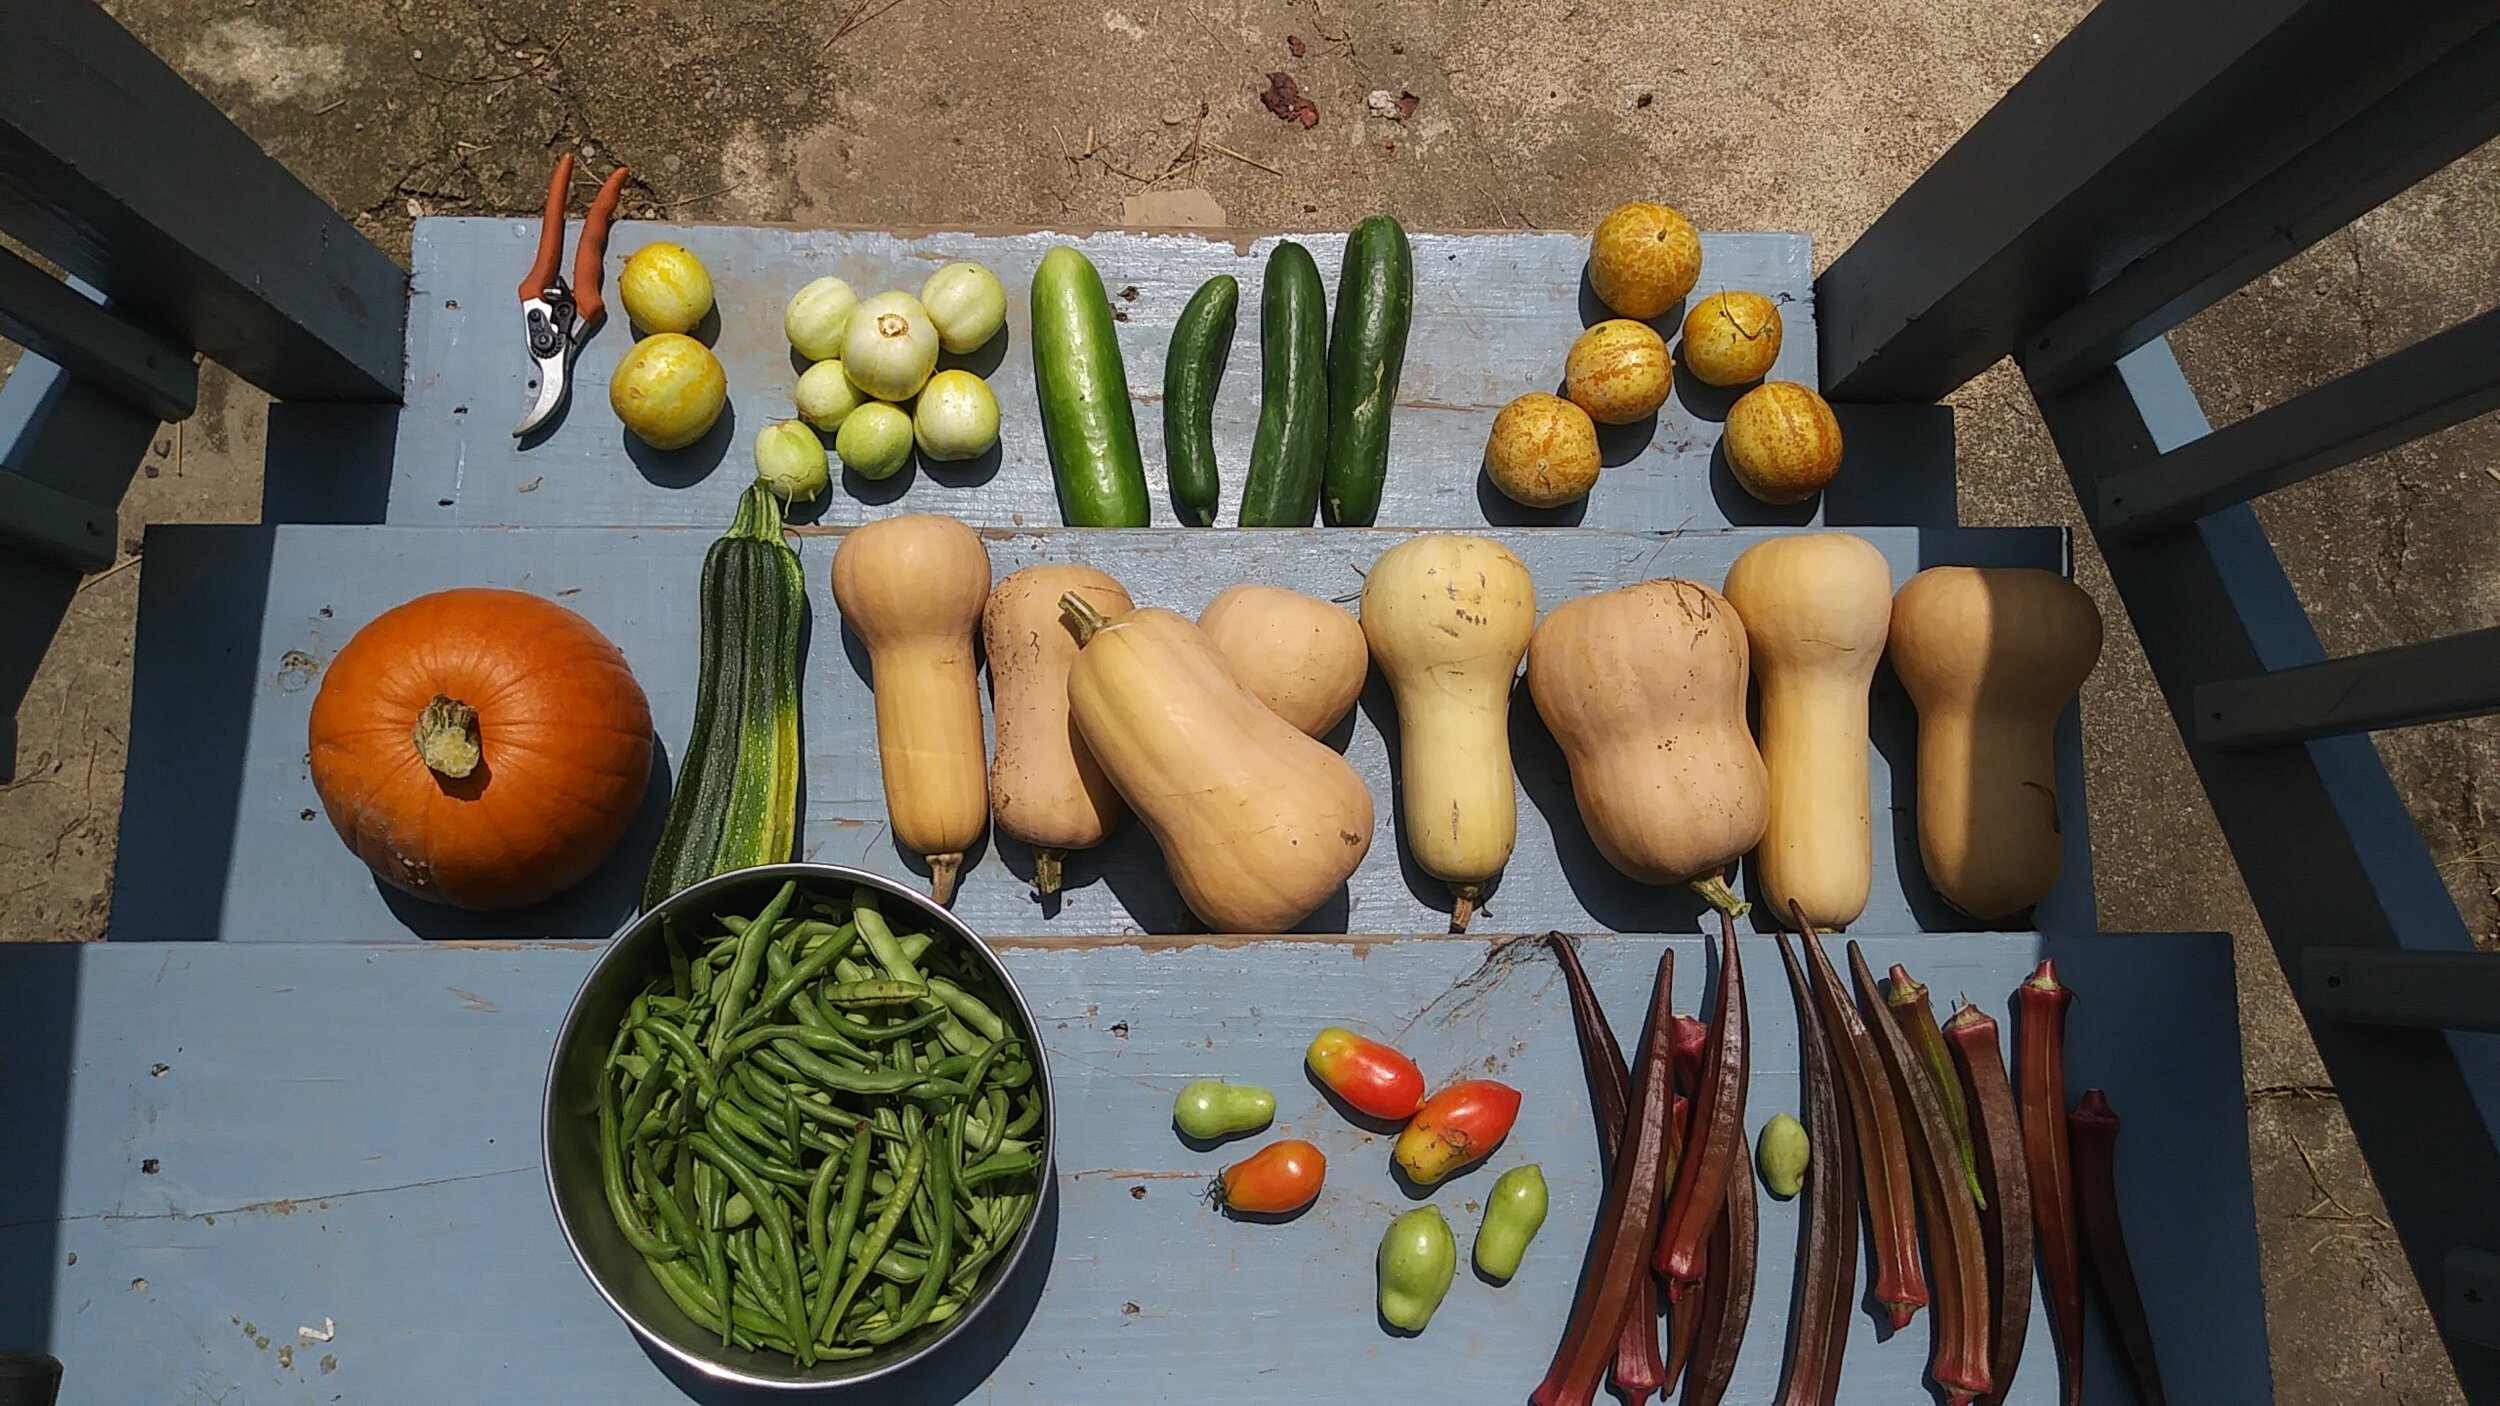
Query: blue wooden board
x=222, y=835
x=1494, y=315
x=222, y=1144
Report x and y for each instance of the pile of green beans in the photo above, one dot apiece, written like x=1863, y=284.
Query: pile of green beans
x=817, y=1131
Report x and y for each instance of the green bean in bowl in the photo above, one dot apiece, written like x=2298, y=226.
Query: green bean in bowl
x=820, y=1124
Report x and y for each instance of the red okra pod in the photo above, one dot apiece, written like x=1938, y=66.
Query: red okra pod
x=1639, y=1370
x=2006, y=1220
x=1827, y=1251
x=1956, y=1255
x=1716, y=1141
x=1883, y=1148
x=2092, y=1130
x=2042, y=1002
x=1726, y=1293
x=1628, y=1218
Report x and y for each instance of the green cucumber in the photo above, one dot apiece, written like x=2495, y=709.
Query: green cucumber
x=1292, y=443
x=1200, y=341
x=737, y=797
x=1083, y=386
x=1366, y=351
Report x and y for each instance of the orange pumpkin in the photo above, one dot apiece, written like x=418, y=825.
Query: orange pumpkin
x=480, y=748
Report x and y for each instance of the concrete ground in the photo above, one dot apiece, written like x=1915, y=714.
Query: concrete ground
x=1787, y=114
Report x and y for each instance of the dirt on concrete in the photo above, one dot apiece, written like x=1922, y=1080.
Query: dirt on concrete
x=1788, y=114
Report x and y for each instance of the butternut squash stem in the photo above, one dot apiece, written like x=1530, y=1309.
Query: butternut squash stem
x=1715, y=891
x=1082, y=617
x=1046, y=869
x=1463, y=905
x=446, y=737
x=944, y=869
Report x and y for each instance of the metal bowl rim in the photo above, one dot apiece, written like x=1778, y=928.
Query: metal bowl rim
x=805, y=871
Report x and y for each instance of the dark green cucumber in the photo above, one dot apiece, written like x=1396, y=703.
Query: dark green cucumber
x=737, y=797
x=1366, y=351
x=1083, y=386
x=1292, y=444
x=1191, y=369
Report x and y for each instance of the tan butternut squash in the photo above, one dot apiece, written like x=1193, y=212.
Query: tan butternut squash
x=912, y=589
x=1259, y=823
x=1816, y=607
x=1046, y=789
x=1304, y=657
x=1644, y=687
x=1448, y=619
x=1991, y=656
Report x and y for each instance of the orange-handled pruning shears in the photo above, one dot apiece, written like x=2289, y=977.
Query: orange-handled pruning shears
x=559, y=316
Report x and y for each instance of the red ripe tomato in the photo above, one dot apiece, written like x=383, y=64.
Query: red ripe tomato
x=1374, y=1080
x=1278, y=1178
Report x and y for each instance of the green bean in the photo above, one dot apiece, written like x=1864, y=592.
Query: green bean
x=970, y=1008
x=834, y=1076
x=750, y=1158
x=776, y=1224
x=742, y=972
x=942, y=1247
x=675, y=1039
x=838, y=1232
x=851, y=1026
x=876, y=993
x=791, y=982
x=809, y=1039
x=881, y=1234
x=1004, y=1164
x=612, y=1180
x=735, y=1212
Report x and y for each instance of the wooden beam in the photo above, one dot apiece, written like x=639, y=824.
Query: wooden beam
x=116, y=169
x=2405, y=686
x=2425, y=990
x=2330, y=854
x=2444, y=112
x=2439, y=381
x=2146, y=119
x=56, y=321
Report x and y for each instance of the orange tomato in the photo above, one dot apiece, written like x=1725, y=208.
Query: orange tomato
x=1278, y=1178
x=1374, y=1080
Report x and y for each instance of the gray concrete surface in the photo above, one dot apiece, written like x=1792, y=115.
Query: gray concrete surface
x=1789, y=114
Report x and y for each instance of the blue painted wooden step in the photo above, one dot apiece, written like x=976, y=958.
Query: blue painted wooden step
x=220, y=1144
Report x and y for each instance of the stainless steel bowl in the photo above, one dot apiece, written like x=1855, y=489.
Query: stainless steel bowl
x=569, y=1130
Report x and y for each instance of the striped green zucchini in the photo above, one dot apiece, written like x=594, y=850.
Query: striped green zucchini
x=737, y=798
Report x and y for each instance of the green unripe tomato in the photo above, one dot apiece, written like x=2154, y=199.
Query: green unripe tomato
x=1513, y=1214
x=1418, y=1258
x=1782, y=1153
x=1207, y=1109
x=874, y=441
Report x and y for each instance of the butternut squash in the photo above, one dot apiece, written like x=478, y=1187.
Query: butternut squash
x=1046, y=789
x=1644, y=687
x=1259, y=823
x=1991, y=656
x=1304, y=657
x=1448, y=619
x=1816, y=607
x=912, y=588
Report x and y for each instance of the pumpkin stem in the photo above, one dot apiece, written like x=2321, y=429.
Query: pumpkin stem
x=446, y=737
x=1463, y=905
x=1046, y=870
x=1082, y=617
x=944, y=869
x=1713, y=887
